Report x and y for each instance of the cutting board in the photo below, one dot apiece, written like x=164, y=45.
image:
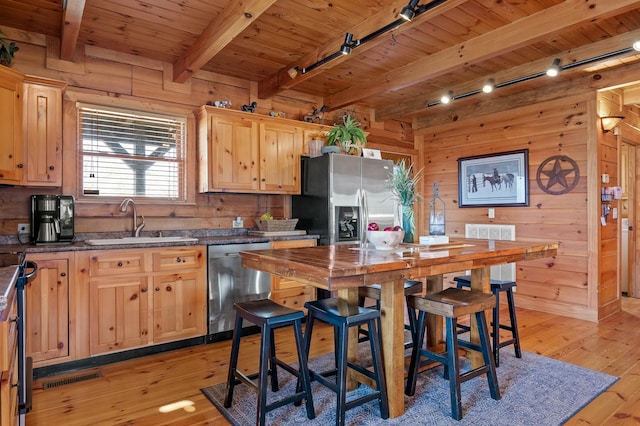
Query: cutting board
x=278, y=233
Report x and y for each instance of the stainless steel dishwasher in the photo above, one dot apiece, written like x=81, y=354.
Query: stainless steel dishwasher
x=230, y=282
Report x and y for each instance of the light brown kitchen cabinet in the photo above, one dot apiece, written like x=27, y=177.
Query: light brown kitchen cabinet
x=48, y=316
x=251, y=153
x=11, y=136
x=142, y=297
x=43, y=132
x=9, y=362
x=289, y=292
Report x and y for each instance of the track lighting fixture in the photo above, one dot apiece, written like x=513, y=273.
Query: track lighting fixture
x=293, y=72
x=447, y=97
x=345, y=49
x=409, y=11
x=636, y=45
x=554, y=69
x=489, y=86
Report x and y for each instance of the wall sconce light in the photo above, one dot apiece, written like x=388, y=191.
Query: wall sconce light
x=489, y=86
x=447, y=97
x=345, y=49
x=409, y=11
x=554, y=69
x=609, y=122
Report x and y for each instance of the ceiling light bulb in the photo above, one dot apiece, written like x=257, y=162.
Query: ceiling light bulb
x=489, y=86
x=636, y=45
x=554, y=69
x=447, y=97
x=409, y=11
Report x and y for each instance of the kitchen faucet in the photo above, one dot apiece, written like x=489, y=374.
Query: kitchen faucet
x=123, y=209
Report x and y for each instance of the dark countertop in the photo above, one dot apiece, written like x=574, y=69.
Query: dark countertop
x=8, y=279
x=205, y=237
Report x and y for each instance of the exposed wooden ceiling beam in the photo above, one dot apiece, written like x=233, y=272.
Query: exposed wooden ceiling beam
x=418, y=105
x=282, y=81
x=71, y=21
x=229, y=24
x=509, y=37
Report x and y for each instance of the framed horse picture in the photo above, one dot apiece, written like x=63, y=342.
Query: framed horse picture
x=494, y=180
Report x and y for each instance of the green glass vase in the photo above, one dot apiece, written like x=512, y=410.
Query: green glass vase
x=408, y=224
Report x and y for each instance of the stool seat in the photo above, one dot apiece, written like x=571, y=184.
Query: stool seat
x=269, y=315
x=343, y=315
x=498, y=286
x=453, y=303
x=374, y=291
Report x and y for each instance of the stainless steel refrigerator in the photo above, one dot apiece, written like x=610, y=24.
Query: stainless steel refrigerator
x=341, y=194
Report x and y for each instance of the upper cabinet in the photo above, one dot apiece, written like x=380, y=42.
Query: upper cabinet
x=250, y=153
x=43, y=132
x=31, y=125
x=11, y=105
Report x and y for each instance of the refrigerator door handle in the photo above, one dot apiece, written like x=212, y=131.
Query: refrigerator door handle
x=364, y=208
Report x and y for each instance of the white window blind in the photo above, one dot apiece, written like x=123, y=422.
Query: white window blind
x=132, y=154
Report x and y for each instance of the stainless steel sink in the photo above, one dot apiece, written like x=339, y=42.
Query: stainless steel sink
x=138, y=240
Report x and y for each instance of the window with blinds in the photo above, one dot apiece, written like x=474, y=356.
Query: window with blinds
x=132, y=154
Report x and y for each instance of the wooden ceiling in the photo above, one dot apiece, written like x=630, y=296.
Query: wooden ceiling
x=453, y=45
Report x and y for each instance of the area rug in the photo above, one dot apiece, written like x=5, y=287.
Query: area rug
x=535, y=390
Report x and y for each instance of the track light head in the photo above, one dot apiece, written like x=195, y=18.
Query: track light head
x=447, y=97
x=345, y=49
x=409, y=11
x=636, y=45
x=489, y=86
x=554, y=69
x=293, y=72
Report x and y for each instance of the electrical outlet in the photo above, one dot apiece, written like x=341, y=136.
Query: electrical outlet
x=24, y=228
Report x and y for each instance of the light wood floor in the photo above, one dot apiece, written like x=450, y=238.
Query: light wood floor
x=132, y=392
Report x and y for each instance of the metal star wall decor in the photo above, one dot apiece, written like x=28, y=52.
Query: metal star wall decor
x=558, y=175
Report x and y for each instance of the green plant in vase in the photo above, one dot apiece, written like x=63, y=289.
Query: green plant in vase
x=348, y=134
x=7, y=50
x=404, y=186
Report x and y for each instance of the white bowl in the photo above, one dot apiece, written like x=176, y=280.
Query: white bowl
x=385, y=240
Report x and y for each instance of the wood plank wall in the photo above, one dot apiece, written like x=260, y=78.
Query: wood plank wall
x=112, y=78
x=561, y=285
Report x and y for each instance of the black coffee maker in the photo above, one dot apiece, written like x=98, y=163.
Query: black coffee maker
x=52, y=219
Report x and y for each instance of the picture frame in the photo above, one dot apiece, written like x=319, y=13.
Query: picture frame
x=494, y=180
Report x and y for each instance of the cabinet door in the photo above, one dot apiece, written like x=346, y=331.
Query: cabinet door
x=233, y=159
x=43, y=116
x=47, y=300
x=119, y=313
x=280, y=150
x=289, y=292
x=11, y=136
x=179, y=306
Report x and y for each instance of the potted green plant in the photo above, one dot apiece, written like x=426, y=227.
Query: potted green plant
x=7, y=50
x=348, y=135
x=404, y=187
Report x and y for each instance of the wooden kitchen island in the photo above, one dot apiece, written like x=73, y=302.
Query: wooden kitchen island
x=344, y=268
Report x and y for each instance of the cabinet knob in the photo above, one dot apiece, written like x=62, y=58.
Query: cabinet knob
x=119, y=264
x=178, y=260
x=52, y=167
x=143, y=290
x=157, y=288
x=63, y=274
x=20, y=165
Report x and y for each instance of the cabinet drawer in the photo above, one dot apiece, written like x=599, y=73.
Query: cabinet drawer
x=105, y=264
x=294, y=298
x=177, y=259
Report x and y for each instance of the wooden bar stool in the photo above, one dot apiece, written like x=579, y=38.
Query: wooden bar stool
x=269, y=315
x=343, y=315
x=374, y=291
x=453, y=303
x=497, y=287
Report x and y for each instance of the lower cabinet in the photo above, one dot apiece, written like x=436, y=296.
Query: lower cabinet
x=9, y=363
x=48, y=299
x=289, y=292
x=141, y=297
